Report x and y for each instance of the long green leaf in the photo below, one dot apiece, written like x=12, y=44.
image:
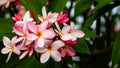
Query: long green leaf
x=82, y=5
x=116, y=50
x=57, y=5
x=82, y=47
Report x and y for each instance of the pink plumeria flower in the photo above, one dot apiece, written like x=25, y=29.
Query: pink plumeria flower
x=50, y=50
x=74, y=32
x=62, y=18
x=10, y=46
x=25, y=19
x=40, y=33
x=28, y=49
x=5, y=3
x=64, y=33
x=67, y=51
x=50, y=17
x=17, y=17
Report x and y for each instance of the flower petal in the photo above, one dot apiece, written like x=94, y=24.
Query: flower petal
x=18, y=30
x=5, y=50
x=6, y=41
x=48, y=34
x=40, y=50
x=9, y=55
x=70, y=52
x=55, y=55
x=14, y=39
x=66, y=29
x=57, y=44
x=40, y=42
x=68, y=37
x=43, y=26
x=26, y=16
x=32, y=27
x=44, y=11
x=16, y=51
x=63, y=53
x=44, y=57
x=31, y=37
x=78, y=33
x=23, y=54
x=30, y=52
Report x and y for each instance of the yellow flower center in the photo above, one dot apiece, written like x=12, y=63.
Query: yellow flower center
x=11, y=47
x=39, y=34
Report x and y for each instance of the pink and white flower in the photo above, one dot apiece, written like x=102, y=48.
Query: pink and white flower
x=17, y=17
x=40, y=33
x=50, y=17
x=10, y=46
x=51, y=50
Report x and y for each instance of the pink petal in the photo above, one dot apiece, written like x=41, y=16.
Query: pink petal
x=40, y=50
x=14, y=39
x=9, y=55
x=48, y=34
x=26, y=16
x=44, y=11
x=18, y=30
x=25, y=28
x=44, y=57
x=30, y=52
x=23, y=54
x=32, y=37
x=6, y=41
x=19, y=39
x=55, y=55
x=63, y=53
x=78, y=33
x=68, y=37
x=52, y=17
x=27, y=42
x=5, y=50
x=57, y=44
x=19, y=23
x=72, y=25
x=16, y=51
x=40, y=18
x=43, y=26
x=7, y=4
x=66, y=29
x=32, y=27
x=2, y=2
x=40, y=42
x=70, y=52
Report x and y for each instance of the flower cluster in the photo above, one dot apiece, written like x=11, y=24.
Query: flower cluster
x=44, y=37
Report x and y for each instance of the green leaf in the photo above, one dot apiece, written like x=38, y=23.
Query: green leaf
x=57, y=5
x=5, y=28
x=82, y=5
x=99, y=13
x=89, y=33
x=116, y=50
x=34, y=5
x=101, y=4
x=82, y=47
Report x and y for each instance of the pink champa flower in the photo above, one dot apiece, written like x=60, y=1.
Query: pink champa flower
x=50, y=50
x=25, y=19
x=62, y=18
x=40, y=33
x=74, y=32
x=50, y=17
x=67, y=51
x=64, y=33
x=10, y=46
x=28, y=49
